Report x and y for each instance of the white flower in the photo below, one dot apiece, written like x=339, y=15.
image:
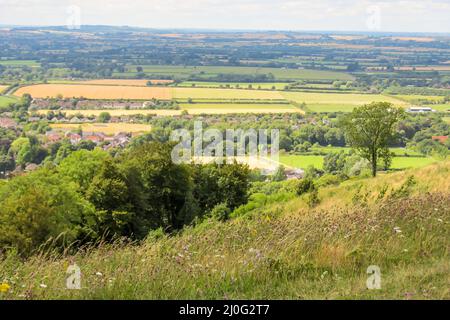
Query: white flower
x=43, y=285
x=99, y=274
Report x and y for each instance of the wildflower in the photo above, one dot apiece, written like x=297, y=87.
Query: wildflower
x=397, y=230
x=43, y=286
x=4, y=287
x=99, y=274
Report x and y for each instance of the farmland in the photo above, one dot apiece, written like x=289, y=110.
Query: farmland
x=131, y=89
x=208, y=71
x=255, y=85
x=2, y=88
x=20, y=63
x=106, y=128
x=398, y=162
x=6, y=100
x=329, y=102
x=89, y=169
x=95, y=91
x=211, y=93
x=123, y=82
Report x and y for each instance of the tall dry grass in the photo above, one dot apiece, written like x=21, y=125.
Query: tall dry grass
x=284, y=250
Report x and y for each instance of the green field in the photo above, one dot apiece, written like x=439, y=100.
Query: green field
x=414, y=160
x=446, y=119
x=335, y=102
x=211, y=71
x=5, y=101
x=263, y=85
x=20, y=63
x=410, y=162
x=396, y=151
x=441, y=107
x=302, y=162
x=236, y=106
x=212, y=93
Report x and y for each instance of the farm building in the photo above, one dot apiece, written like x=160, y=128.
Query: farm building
x=441, y=139
x=420, y=109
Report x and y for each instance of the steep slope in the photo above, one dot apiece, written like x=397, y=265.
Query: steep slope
x=398, y=222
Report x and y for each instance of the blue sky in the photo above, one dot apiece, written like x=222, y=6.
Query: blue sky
x=338, y=15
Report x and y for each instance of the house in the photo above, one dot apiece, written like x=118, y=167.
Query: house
x=8, y=123
x=73, y=137
x=94, y=138
x=292, y=174
x=53, y=136
x=441, y=139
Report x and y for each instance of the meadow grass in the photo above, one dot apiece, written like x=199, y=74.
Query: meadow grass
x=333, y=102
x=20, y=63
x=283, y=250
x=208, y=71
x=6, y=100
x=2, y=88
x=214, y=93
x=302, y=161
x=399, y=161
x=240, y=85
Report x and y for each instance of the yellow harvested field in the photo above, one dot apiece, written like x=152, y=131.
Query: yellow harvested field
x=2, y=88
x=211, y=93
x=106, y=128
x=96, y=91
x=123, y=82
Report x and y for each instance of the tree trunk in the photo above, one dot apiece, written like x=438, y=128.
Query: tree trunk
x=374, y=164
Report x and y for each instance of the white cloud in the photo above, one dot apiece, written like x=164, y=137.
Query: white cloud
x=396, y=15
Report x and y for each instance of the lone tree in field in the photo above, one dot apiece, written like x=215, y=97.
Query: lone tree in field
x=369, y=129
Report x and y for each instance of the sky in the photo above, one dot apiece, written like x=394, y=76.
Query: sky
x=295, y=15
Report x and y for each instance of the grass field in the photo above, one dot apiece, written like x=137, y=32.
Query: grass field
x=96, y=91
x=334, y=102
x=255, y=107
x=208, y=71
x=2, y=88
x=212, y=93
x=106, y=128
x=410, y=162
x=441, y=107
x=122, y=82
x=6, y=100
x=20, y=63
x=242, y=85
x=303, y=161
x=446, y=119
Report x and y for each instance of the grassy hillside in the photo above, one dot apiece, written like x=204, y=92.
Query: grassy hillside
x=277, y=249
